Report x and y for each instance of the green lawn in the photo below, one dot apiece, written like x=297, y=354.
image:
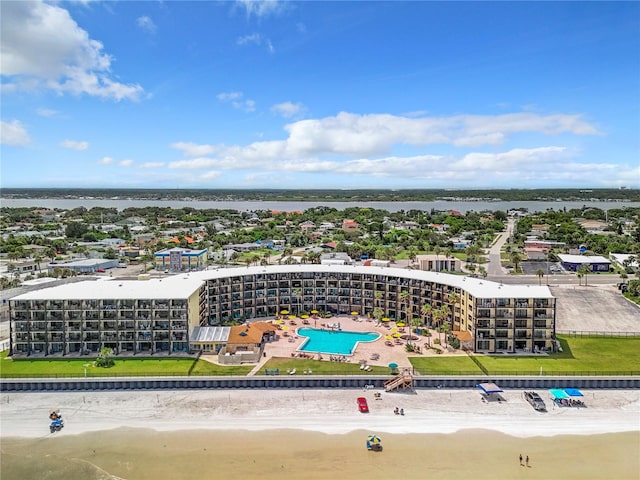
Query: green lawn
x=580, y=356
x=124, y=367
x=458, y=365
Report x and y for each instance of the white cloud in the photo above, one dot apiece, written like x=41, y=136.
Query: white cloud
x=229, y=96
x=47, y=112
x=288, y=109
x=105, y=161
x=237, y=101
x=262, y=8
x=13, y=133
x=125, y=163
x=151, y=165
x=192, y=149
x=43, y=47
x=350, y=144
x=146, y=24
x=256, y=39
x=73, y=145
x=211, y=175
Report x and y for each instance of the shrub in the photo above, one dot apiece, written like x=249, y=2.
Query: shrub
x=104, y=358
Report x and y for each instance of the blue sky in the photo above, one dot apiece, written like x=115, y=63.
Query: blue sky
x=271, y=94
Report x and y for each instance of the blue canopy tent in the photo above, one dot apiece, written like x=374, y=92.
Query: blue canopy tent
x=573, y=392
x=558, y=394
x=490, y=392
x=489, y=388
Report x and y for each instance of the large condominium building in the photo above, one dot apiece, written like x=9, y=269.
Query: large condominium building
x=157, y=316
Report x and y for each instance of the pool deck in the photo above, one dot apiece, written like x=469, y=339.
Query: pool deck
x=284, y=347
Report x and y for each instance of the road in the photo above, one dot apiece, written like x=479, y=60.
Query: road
x=494, y=267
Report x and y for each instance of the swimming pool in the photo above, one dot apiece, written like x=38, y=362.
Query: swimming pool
x=333, y=342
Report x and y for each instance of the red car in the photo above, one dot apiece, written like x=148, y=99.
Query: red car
x=100, y=270
x=362, y=405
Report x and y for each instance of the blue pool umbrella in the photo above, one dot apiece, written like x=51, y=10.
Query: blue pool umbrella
x=393, y=365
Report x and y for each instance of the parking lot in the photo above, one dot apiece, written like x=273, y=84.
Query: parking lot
x=599, y=308
x=530, y=267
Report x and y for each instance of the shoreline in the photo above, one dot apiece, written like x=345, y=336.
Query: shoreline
x=316, y=435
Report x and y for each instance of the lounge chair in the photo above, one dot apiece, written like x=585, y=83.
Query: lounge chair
x=367, y=368
x=363, y=366
x=292, y=372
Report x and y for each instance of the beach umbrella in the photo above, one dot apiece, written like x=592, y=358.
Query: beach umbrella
x=374, y=439
x=355, y=313
x=393, y=365
x=388, y=337
x=314, y=311
x=384, y=319
x=279, y=322
x=284, y=312
x=285, y=328
x=304, y=316
x=291, y=317
x=401, y=324
x=396, y=335
x=394, y=329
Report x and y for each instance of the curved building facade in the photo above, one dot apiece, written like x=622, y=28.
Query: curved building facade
x=156, y=316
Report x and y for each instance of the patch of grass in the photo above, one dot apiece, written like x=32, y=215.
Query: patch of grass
x=458, y=365
x=579, y=356
x=320, y=367
x=134, y=367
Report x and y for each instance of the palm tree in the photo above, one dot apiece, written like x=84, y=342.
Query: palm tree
x=584, y=270
x=404, y=299
x=516, y=259
x=454, y=299
x=378, y=313
x=482, y=271
x=540, y=274
x=427, y=311
x=296, y=295
x=436, y=251
x=445, y=311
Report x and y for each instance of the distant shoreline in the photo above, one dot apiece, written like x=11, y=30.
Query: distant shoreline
x=327, y=195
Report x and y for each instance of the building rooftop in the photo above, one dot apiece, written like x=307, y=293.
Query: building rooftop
x=177, y=286
x=185, y=284
x=582, y=259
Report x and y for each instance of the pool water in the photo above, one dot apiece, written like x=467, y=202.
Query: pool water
x=336, y=342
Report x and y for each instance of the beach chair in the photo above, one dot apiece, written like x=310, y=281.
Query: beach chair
x=292, y=372
x=367, y=368
x=310, y=371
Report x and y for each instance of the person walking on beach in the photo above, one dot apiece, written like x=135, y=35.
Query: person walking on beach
x=527, y=460
x=521, y=460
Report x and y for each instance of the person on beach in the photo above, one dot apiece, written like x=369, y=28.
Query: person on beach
x=520, y=459
x=527, y=460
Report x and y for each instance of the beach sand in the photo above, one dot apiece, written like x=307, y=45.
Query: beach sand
x=316, y=434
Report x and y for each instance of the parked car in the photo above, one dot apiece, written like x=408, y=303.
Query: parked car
x=535, y=401
x=362, y=405
x=101, y=270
